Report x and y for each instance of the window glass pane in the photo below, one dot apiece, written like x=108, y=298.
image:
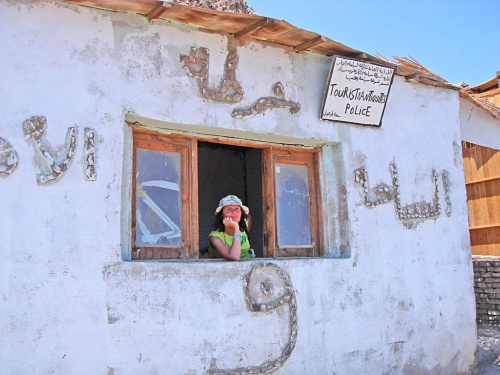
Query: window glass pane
x=292, y=196
x=158, y=198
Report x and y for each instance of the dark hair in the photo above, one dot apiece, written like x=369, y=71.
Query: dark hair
x=219, y=225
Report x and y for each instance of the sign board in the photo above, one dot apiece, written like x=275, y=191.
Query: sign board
x=356, y=91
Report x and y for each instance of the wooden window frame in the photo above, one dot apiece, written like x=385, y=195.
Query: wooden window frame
x=187, y=147
x=183, y=146
x=297, y=156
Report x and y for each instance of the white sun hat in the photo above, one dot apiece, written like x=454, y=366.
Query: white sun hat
x=231, y=200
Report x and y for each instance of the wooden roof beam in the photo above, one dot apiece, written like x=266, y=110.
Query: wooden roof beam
x=310, y=43
x=253, y=28
x=413, y=77
x=360, y=56
x=158, y=10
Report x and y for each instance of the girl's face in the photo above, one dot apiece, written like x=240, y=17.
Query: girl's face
x=234, y=212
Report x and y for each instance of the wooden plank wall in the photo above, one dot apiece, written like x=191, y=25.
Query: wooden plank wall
x=482, y=180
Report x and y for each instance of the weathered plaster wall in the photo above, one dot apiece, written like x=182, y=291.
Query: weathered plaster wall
x=478, y=126
x=402, y=303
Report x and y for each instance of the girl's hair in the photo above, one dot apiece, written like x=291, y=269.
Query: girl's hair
x=219, y=225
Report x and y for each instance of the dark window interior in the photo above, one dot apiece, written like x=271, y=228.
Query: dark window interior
x=224, y=170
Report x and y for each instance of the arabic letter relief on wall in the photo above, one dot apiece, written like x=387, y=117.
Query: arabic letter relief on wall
x=35, y=129
x=356, y=91
x=8, y=158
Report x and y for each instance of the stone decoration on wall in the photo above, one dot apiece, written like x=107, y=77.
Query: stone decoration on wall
x=411, y=214
x=89, y=154
x=34, y=128
x=8, y=158
x=197, y=65
x=266, y=102
x=268, y=287
x=381, y=194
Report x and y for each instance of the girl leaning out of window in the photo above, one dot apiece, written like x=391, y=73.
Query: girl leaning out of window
x=229, y=239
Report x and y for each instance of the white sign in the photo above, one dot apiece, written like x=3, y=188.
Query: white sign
x=356, y=91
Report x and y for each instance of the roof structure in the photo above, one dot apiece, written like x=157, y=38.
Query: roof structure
x=486, y=94
x=491, y=84
x=236, y=18
x=235, y=6
x=233, y=17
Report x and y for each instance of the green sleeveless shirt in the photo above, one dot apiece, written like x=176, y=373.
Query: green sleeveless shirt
x=228, y=240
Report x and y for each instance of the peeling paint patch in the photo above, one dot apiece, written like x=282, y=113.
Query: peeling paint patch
x=457, y=154
x=112, y=319
x=152, y=63
x=446, y=185
x=415, y=366
x=405, y=305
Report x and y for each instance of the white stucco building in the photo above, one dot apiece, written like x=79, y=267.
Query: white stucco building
x=382, y=284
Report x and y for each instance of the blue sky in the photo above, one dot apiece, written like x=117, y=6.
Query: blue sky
x=459, y=40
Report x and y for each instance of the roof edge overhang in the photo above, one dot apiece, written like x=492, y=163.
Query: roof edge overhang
x=253, y=27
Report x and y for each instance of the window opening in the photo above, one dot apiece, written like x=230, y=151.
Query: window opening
x=178, y=181
x=223, y=170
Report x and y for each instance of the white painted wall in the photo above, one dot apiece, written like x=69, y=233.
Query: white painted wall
x=478, y=126
x=402, y=303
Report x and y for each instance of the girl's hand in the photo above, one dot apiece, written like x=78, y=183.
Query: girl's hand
x=230, y=223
